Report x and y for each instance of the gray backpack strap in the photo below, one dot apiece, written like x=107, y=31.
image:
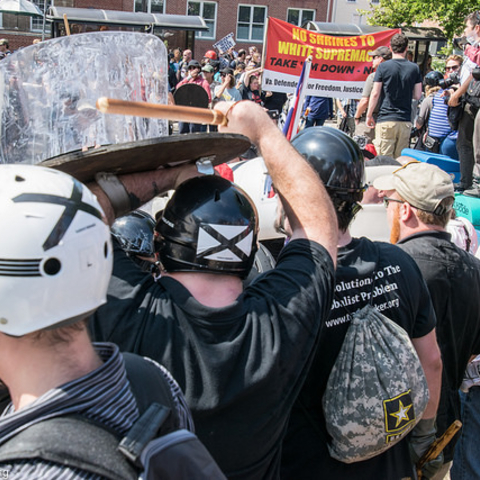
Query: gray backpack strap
x=68, y=440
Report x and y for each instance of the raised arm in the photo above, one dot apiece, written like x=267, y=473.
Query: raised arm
x=140, y=188
x=305, y=200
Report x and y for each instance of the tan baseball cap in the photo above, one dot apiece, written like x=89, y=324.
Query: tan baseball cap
x=422, y=185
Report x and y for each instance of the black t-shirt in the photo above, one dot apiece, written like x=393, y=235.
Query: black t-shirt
x=241, y=367
x=254, y=95
x=453, y=279
x=365, y=269
x=398, y=77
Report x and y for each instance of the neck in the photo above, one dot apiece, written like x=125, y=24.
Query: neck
x=406, y=231
x=30, y=368
x=344, y=238
x=399, y=55
x=210, y=289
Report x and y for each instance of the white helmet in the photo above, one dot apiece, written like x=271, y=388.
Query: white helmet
x=55, y=249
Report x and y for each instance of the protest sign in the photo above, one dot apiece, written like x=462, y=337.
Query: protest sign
x=225, y=43
x=340, y=65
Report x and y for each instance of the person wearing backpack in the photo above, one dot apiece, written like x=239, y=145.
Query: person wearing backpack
x=239, y=354
x=368, y=273
x=420, y=199
x=66, y=403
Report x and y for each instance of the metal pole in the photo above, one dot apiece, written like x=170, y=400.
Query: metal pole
x=44, y=18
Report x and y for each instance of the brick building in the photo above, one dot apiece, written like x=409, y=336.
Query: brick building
x=246, y=19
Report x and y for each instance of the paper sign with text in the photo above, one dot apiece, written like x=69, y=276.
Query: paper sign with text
x=225, y=43
x=340, y=65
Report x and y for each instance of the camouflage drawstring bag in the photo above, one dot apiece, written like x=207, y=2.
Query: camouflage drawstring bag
x=376, y=392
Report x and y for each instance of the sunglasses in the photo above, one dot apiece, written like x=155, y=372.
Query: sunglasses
x=454, y=67
x=387, y=200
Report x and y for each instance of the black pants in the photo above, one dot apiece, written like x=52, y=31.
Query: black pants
x=465, y=145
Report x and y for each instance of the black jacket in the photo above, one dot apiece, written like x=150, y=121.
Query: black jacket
x=453, y=279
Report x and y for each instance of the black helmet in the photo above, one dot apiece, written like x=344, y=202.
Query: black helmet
x=432, y=78
x=336, y=158
x=135, y=233
x=209, y=225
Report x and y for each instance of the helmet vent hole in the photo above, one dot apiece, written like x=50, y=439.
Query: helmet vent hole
x=217, y=196
x=105, y=249
x=52, y=266
x=18, y=178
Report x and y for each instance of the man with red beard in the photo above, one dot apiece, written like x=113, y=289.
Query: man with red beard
x=419, y=200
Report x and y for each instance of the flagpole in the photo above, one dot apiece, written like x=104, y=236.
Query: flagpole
x=264, y=56
x=301, y=99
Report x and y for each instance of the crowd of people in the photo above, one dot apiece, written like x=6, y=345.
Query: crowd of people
x=242, y=363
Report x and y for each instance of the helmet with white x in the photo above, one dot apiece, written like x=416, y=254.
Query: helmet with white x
x=55, y=250
x=209, y=225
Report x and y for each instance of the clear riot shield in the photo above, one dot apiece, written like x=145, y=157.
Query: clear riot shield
x=48, y=93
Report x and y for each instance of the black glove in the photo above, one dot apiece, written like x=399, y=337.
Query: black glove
x=420, y=440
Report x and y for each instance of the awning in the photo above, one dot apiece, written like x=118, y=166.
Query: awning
x=133, y=19
x=432, y=34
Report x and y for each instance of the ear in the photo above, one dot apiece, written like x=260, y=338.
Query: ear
x=406, y=212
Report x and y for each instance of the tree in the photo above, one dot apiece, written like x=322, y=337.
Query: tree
x=450, y=14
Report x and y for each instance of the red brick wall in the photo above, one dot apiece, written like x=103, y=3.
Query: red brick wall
x=226, y=17
x=227, y=11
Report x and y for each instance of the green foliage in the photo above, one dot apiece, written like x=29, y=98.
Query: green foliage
x=449, y=14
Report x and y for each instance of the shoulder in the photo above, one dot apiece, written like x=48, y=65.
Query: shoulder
x=302, y=264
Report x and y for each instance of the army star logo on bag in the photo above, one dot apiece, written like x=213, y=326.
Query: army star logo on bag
x=225, y=243
x=399, y=414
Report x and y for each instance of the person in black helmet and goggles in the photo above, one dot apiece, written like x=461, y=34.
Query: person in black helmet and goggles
x=240, y=356
x=367, y=272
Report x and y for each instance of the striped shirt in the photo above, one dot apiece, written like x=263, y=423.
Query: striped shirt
x=102, y=395
x=438, y=125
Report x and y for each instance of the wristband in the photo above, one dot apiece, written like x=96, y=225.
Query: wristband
x=115, y=191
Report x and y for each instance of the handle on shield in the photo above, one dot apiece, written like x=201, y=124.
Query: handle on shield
x=437, y=446
x=67, y=25
x=170, y=112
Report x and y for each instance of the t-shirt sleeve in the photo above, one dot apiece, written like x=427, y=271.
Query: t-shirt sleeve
x=418, y=75
x=302, y=283
x=379, y=74
x=367, y=88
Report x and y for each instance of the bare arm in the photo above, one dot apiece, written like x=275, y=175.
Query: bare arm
x=429, y=355
x=305, y=200
x=417, y=91
x=340, y=107
x=361, y=107
x=142, y=187
x=375, y=95
x=248, y=75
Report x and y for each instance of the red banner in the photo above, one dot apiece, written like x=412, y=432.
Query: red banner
x=340, y=65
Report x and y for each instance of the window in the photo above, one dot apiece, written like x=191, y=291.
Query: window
x=298, y=16
x=150, y=6
x=251, y=23
x=37, y=22
x=208, y=11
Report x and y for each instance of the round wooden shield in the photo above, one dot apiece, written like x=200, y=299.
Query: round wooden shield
x=191, y=95
x=151, y=154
